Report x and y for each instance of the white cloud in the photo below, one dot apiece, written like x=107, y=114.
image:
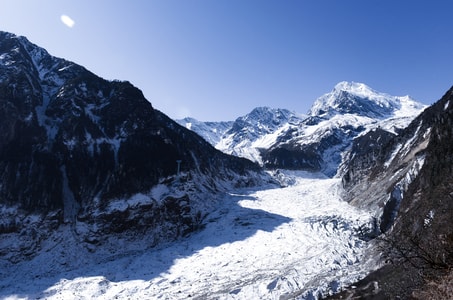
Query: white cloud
x=67, y=21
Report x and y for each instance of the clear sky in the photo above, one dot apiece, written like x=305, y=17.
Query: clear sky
x=218, y=59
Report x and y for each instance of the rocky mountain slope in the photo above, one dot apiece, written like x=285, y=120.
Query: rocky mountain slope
x=406, y=181
x=77, y=149
x=278, y=138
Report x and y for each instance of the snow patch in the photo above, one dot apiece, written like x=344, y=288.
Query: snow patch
x=124, y=204
x=428, y=219
x=159, y=191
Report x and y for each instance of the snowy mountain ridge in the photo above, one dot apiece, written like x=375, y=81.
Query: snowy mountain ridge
x=356, y=98
x=247, y=134
x=278, y=138
x=210, y=131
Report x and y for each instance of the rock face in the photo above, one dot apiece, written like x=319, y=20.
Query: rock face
x=407, y=181
x=381, y=165
x=71, y=144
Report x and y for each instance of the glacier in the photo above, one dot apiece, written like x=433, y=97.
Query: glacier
x=300, y=241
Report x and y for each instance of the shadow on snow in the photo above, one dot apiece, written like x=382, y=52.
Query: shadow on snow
x=228, y=224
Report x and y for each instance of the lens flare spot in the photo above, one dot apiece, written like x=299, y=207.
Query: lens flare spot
x=67, y=21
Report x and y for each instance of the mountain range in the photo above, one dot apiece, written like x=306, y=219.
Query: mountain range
x=279, y=138
x=93, y=179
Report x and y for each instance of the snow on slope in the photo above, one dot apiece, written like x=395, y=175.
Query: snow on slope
x=358, y=98
x=210, y=131
x=335, y=119
x=256, y=130
x=356, y=104
x=262, y=244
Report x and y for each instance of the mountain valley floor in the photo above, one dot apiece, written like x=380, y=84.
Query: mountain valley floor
x=300, y=241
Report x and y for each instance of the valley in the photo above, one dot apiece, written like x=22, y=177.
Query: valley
x=102, y=196
x=267, y=243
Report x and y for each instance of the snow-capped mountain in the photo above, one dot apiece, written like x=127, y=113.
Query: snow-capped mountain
x=358, y=99
x=278, y=138
x=335, y=119
x=245, y=136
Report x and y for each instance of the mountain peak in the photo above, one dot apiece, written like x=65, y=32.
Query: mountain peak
x=359, y=99
x=271, y=115
x=264, y=120
x=356, y=88
x=264, y=110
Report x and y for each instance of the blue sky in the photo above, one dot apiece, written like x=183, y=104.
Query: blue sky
x=218, y=59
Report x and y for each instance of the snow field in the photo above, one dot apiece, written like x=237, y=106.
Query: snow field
x=274, y=243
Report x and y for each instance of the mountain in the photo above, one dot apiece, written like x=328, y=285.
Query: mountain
x=255, y=131
x=212, y=132
x=77, y=149
x=245, y=136
x=278, y=138
x=334, y=120
x=358, y=99
x=406, y=181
